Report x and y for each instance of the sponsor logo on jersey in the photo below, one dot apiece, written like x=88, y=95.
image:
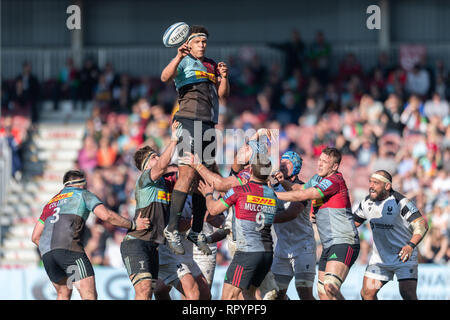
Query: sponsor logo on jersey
x=317, y=202
x=164, y=195
x=261, y=200
x=60, y=197
x=382, y=226
x=205, y=75
x=325, y=184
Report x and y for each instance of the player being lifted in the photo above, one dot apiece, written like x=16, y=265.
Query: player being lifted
x=153, y=187
x=397, y=227
x=58, y=235
x=333, y=215
x=200, y=83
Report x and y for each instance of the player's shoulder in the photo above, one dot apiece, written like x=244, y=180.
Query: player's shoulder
x=209, y=60
x=397, y=196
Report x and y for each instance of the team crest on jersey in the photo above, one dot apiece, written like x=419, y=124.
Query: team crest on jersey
x=261, y=200
x=164, y=195
x=60, y=197
x=389, y=210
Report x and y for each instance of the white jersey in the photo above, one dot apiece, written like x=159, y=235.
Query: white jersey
x=390, y=221
x=294, y=237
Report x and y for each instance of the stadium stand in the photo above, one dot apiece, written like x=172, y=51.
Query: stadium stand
x=372, y=114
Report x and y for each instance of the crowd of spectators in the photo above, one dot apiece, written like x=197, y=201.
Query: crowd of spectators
x=380, y=117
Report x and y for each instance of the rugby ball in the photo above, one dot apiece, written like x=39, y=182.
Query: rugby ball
x=176, y=34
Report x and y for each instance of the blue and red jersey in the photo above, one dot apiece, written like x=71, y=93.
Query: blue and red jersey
x=255, y=206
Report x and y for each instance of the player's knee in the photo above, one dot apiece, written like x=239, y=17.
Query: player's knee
x=368, y=294
x=321, y=288
x=332, y=284
x=408, y=294
x=143, y=287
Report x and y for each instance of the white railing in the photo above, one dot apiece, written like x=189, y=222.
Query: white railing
x=150, y=60
x=5, y=169
x=136, y=61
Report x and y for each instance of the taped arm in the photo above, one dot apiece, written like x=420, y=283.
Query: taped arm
x=420, y=228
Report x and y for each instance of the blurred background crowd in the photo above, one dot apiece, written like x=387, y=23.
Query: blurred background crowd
x=383, y=118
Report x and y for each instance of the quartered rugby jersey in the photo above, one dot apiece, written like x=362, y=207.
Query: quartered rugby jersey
x=334, y=218
x=196, y=85
x=294, y=237
x=390, y=221
x=153, y=201
x=255, y=207
x=64, y=218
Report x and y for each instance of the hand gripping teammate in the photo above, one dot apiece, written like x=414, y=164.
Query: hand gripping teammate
x=200, y=83
x=333, y=216
x=295, y=249
x=255, y=208
x=398, y=227
x=58, y=236
x=153, y=188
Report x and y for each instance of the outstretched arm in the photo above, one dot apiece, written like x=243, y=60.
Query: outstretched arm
x=220, y=183
x=170, y=71
x=110, y=216
x=214, y=207
x=161, y=166
x=299, y=195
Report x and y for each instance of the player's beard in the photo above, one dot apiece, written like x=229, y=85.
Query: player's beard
x=380, y=196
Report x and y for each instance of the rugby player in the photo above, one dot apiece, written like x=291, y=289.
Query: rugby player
x=255, y=207
x=295, y=249
x=398, y=227
x=58, y=235
x=153, y=188
x=181, y=271
x=333, y=216
x=200, y=83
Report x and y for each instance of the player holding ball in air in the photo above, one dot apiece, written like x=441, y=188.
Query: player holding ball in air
x=200, y=83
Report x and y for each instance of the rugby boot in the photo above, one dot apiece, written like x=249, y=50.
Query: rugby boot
x=199, y=239
x=174, y=241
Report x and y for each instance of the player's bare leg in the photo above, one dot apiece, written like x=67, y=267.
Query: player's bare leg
x=408, y=289
x=250, y=293
x=333, y=277
x=230, y=292
x=189, y=287
x=370, y=288
x=143, y=289
x=305, y=293
x=62, y=290
x=162, y=291
x=86, y=288
x=203, y=286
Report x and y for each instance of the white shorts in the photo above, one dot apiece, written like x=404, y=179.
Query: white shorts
x=385, y=272
x=171, y=274
x=207, y=264
x=303, y=267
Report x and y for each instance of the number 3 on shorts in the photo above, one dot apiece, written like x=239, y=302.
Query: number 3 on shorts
x=56, y=215
x=260, y=221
